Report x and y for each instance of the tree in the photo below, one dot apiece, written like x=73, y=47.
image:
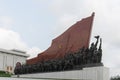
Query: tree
x=115, y=78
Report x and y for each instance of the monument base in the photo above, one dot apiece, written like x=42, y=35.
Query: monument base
x=88, y=73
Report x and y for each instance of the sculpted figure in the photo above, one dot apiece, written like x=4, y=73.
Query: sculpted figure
x=97, y=37
x=94, y=46
x=100, y=52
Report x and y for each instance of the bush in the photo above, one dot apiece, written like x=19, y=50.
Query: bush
x=115, y=78
x=4, y=74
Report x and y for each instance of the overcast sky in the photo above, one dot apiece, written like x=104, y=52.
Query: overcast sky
x=30, y=25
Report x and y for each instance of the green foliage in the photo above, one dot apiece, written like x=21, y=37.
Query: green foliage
x=115, y=78
x=4, y=74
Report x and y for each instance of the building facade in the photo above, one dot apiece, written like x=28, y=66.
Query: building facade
x=9, y=58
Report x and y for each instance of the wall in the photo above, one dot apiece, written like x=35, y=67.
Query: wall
x=91, y=73
x=8, y=61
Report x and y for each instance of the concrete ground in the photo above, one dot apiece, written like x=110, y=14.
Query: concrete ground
x=6, y=78
x=10, y=78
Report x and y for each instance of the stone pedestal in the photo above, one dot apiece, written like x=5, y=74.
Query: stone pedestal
x=90, y=73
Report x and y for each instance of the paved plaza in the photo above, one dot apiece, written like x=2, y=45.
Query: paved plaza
x=4, y=78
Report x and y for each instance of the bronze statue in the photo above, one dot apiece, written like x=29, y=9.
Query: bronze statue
x=84, y=57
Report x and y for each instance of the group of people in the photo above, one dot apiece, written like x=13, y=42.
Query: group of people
x=68, y=62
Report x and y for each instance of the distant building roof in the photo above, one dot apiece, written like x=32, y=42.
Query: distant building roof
x=20, y=51
x=15, y=52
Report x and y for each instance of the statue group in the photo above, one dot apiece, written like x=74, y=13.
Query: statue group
x=84, y=56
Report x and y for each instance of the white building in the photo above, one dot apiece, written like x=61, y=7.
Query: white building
x=9, y=58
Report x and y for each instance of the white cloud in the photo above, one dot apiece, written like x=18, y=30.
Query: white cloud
x=106, y=24
x=33, y=52
x=11, y=40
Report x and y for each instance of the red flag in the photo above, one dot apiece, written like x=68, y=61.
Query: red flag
x=76, y=37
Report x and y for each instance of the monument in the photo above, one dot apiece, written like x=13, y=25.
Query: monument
x=76, y=37
x=69, y=56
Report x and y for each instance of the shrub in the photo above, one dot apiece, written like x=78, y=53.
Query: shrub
x=4, y=74
x=115, y=78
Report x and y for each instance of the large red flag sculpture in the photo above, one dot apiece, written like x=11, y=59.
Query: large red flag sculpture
x=76, y=37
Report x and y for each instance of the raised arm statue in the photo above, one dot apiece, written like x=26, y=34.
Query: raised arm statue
x=97, y=37
x=100, y=51
x=100, y=47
